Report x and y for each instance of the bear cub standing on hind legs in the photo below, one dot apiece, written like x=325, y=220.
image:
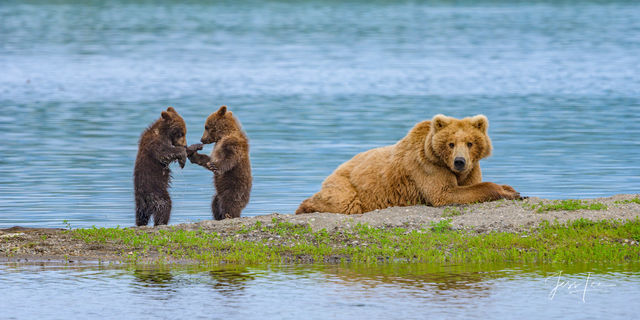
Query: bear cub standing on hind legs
x=160, y=144
x=229, y=162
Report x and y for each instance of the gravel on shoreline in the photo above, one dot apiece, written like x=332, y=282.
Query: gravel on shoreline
x=49, y=245
x=501, y=216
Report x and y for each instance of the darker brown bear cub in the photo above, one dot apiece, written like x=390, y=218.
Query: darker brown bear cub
x=229, y=162
x=160, y=144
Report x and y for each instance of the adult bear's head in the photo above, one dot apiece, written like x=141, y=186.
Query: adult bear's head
x=459, y=143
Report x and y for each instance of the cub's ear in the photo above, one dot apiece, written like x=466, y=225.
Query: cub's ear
x=171, y=109
x=480, y=122
x=439, y=122
x=222, y=111
x=166, y=115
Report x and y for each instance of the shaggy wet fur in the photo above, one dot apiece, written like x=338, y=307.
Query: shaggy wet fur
x=229, y=162
x=437, y=163
x=160, y=144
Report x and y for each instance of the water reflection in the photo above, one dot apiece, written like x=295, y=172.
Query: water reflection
x=153, y=277
x=419, y=280
x=157, y=283
x=229, y=281
x=315, y=291
x=164, y=282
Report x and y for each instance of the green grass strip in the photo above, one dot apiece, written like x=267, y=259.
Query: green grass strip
x=568, y=205
x=635, y=200
x=580, y=241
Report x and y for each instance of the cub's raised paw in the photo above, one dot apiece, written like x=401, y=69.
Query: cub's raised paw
x=182, y=159
x=194, y=148
x=211, y=166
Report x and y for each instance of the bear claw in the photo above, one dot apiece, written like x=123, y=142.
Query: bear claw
x=194, y=148
x=211, y=166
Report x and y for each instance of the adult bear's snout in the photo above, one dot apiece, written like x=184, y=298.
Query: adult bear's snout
x=459, y=163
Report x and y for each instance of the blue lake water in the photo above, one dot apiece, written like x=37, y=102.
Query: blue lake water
x=320, y=292
x=313, y=84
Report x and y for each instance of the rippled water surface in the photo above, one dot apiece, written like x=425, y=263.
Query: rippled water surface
x=320, y=292
x=313, y=83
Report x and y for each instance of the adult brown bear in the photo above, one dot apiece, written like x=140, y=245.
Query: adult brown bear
x=436, y=163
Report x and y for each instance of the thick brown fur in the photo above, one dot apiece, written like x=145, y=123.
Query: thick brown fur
x=229, y=162
x=436, y=163
x=160, y=144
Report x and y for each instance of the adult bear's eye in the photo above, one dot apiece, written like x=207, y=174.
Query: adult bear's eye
x=469, y=144
x=451, y=145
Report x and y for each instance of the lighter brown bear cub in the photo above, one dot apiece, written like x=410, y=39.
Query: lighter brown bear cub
x=435, y=163
x=229, y=162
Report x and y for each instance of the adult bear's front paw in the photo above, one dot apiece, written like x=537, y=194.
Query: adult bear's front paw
x=510, y=193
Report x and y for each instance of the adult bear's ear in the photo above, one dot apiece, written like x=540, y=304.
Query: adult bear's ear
x=166, y=115
x=222, y=111
x=171, y=109
x=480, y=122
x=439, y=122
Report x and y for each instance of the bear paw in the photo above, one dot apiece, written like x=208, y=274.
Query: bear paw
x=182, y=158
x=194, y=148
x=509, y=193
x=212, y=166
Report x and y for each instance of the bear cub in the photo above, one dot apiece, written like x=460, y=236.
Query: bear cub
x=160, y=144
x=229, y=162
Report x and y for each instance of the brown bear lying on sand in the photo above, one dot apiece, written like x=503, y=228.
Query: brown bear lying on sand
x=160, y=144
x=435, y=163
x=229, y=162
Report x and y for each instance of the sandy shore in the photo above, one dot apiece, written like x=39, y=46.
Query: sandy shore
x=508, y=216
x=19, y=244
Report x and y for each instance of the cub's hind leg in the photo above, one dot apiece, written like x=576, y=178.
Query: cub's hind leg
x=142, y=212
x=215, y=208
x=162, y=211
